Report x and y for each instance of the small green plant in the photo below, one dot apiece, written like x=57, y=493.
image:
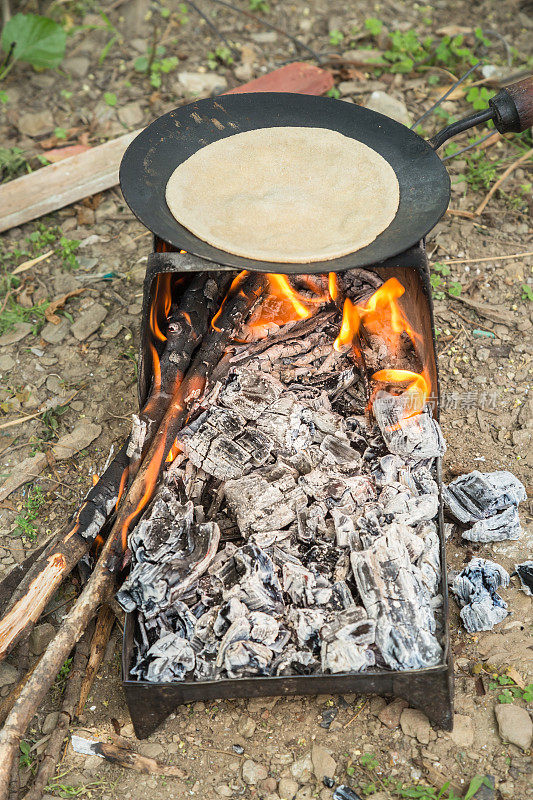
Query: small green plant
x=12, y=163
x=60, y=133
x=220, y=55
x=67, y=252
x=479, y=96
x=50, y=420
x=4, y=98
x=455, y=288
x=369, y=761
x=511, y=691
x=26, y=760
x=110, y=98
x=334, y=92
x=154, y=65
x=37, y=40
x=336, y=37
x=527, y=292
x=436, y=284
x=25, y=520
x=259, y=5
x=374, y=26
x=480, y=172
x=13, y=313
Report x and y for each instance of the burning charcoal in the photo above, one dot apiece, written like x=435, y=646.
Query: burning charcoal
x=323, y=591
x=306, y=623
x=341, y=452
x=407, y=435
x=345, y=532
x=475, y=591
x=247, y=658
x=525, y=575
x=353, y=624
x=298, y=583
x=394, y=594
x=229, y=612
x=419, y=509
x=259, y=588
x=480, y=495
x=358, y=284
x=499, y=528
x=250, y=393
x=386, y=472
x=344, y=655
x=223, y=565
x=265, y=501
x=169, y=659
x=204, y=627
x=311, y=523
x=293, y=661
x=178, y=619
x=341, y=597
x=265, y=629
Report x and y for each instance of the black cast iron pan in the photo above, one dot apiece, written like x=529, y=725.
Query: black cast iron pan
x=424, y=183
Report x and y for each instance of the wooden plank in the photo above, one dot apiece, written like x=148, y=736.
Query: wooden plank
x=85, y=174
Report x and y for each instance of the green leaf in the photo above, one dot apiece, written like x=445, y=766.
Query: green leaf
x=476, y=783
x=38, y=40
x=373, y=25
x=110, y=98
x=4, y=98
x=141, y=64
x=60, y=133
x=455, y=288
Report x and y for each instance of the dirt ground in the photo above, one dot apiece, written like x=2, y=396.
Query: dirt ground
x=86, y=368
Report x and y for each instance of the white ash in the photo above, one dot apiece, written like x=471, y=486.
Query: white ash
x=334, y=560
x=475, y=588
x=480, y=495
x=501, y=527
x=137, y=437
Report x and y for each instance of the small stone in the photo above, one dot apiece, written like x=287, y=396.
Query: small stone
x=89, y=321
x=6, y=363
x=246, y=727
x=302, y=769
x=8, y=674
x=131, y=114
x=224, y=790
x=78, y=66
x=463, y=731
x=82, y=436
x=390, y=715
x=287, y=789
x=50, y=722
x=15, y=334
x=127, y=730
x=40, y=638
x=376, y=705
x=238, y=748
x=305, y=793
x=252, y=772
x=268, y=786
x=514, y=724
x=111, y=330
x=199, y=83
x=265, y=37
x=36, y=124
x=150, y=749
x=54, y=384
x=323, y=763
x=54, y=334
x=389, y=106
x=415, y=724
x=137, y=274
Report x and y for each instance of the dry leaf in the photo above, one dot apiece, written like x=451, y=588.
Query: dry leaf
x=59, y=302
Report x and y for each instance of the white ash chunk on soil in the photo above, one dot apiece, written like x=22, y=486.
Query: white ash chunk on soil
x=514, y=725
x=474, y=589
x=499, y=528
x=480, y=495
x=525, y=575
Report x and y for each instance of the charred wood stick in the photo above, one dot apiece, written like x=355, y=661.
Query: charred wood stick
x=52, y=753
x=186, y=327
x=101, y=584
x=123, y=756
x=104, y=624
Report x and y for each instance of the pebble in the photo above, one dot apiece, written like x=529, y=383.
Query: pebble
x=302, y=769
x=8, y=674
x=514, y=725
x=54, y=384
x=36, y=124
x=89, y=321
x=54, y=334
x=15, y=334
x=198, y=83
x=414, y=723
x=246, y=727
x=252, y=772
x=463, y=731
x=78, y=66
x=287, y=788
x=50, y=722
x=40, y=638
x=305, y=793
x=111, y=330
x=131, y=114
x=389, y=106
x=264, y=37
x=150, y=749
x=6, y=363
x=224, y=790
x=390, y=715
x=323, y=763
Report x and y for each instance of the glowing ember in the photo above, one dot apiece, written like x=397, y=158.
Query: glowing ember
x=417, y=389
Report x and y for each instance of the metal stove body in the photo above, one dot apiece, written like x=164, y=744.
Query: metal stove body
x=430, y=689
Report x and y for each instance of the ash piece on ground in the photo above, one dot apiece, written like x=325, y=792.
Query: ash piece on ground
x=329, y=558
x=481, y=495
x=475, y=591
x=525, y=574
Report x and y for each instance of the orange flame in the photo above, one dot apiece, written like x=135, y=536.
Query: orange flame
x=333, y=288
x=351, y=322
x=96, y=478
x=417, y=389
x=161, y=304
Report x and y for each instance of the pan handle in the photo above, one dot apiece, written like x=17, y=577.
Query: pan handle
x=511, y=111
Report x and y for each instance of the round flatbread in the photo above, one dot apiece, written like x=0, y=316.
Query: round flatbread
x=288, y=195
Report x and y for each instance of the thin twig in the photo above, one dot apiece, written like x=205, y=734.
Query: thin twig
x=489, y=258
x=272, y=27
x=213, y=27
x=481, y=207
x=443, y=97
